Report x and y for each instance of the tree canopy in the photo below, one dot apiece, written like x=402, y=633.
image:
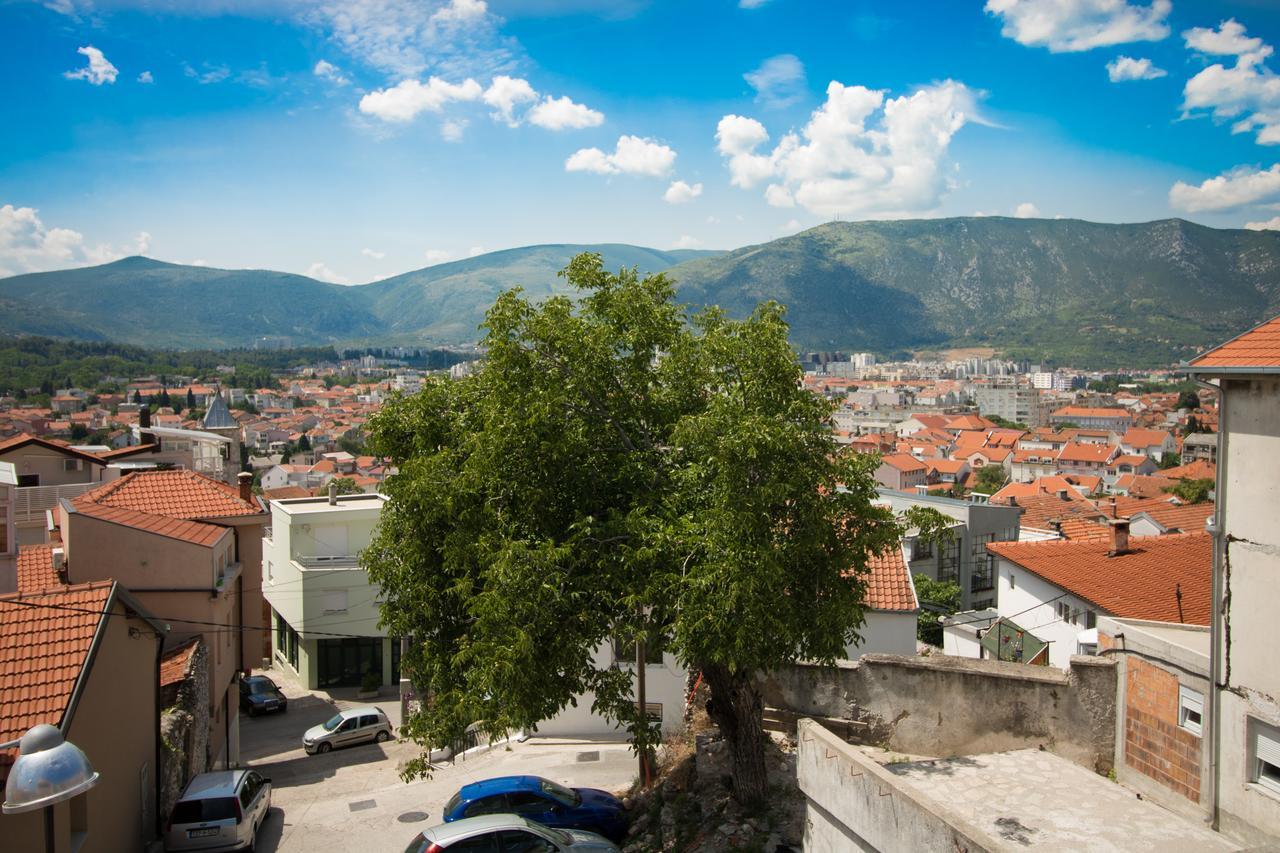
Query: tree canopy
x=618, y=469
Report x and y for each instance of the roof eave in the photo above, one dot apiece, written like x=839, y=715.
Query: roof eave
x=1211, y=370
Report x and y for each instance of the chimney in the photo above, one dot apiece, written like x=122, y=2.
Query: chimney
x=1119, y=537
x=245, y=480
x=333, y=493
x=144, y=424
x=1114, y=512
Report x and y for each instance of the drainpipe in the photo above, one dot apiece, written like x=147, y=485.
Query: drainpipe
x=1216, y=650
x=160, y=819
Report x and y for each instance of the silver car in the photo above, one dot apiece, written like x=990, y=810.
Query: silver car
x=219, y=811
x=507, y=833
x=362, y=724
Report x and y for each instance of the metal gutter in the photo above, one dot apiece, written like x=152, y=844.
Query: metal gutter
x=85, y=668
x=1216, y=649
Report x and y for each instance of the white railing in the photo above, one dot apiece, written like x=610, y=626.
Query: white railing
x=345, y=561
x=31, y=502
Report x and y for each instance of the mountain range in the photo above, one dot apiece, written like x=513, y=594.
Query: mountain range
x=1082, y=293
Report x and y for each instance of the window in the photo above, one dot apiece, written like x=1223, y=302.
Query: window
x=1190, y=710
x=1266, y=755
x=653, y=711
x=626, y=652
x=921, y=548
x=478, y=844
x=488, y=805
x=1013, y=581
x=368, y=721
x=335, y=601
x=520, y=841
x=1090, y=619
x=527, y=803
x=71, y=464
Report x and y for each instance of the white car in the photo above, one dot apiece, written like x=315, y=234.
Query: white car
x=362, y=724
x=506, y=833
x=219, y=811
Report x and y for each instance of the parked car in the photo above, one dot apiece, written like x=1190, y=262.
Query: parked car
x=259, y=693
x=219, y=811
x=362, y=724
x=542, y=800
x=506, y=833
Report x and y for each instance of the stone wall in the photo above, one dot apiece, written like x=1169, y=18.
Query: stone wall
x=944, y=706
x=184, y=730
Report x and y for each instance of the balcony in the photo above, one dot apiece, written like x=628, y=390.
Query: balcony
x=31, y=502
x=330, y=563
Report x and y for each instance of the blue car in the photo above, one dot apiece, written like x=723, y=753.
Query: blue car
x=544, y=801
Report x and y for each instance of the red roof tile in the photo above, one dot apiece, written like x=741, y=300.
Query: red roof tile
x=1258, y=347
x=1081, y=452
x=175, y=494
x=35, y=569
x=1197, y=469
x=1140, y=584
x=174, y=663
x=903, y=462
x=195, y=532
x=42, y=653
x=1078, y=529
x=23, y=439
x=889, y=583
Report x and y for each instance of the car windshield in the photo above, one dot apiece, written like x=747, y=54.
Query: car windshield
x=555, y=790
x=201, y=811
x=332, y=723
x=417, y=845
x=258, y=688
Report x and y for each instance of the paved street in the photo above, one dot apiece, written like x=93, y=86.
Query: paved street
x=353, y=800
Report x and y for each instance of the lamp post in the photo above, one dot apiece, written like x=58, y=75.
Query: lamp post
x=48, y=771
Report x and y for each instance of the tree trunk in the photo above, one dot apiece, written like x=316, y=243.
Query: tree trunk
x=737, y=708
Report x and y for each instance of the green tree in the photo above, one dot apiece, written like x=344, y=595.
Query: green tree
x=618, y=470
x=990, y=479
x=1004, y=423
x=937, y=599
x=304, y=443
x=347, y=486
x=1188, y=400
x=1192, y=491
x=191, y=398
x=1169, y=460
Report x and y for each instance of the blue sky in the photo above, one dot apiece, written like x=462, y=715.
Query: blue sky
x=357, y=139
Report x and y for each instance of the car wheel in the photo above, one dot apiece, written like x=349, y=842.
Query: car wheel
x=382, y=736
x=324, y=747
x=253, y=841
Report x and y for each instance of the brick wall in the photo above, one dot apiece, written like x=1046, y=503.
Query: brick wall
x=1154, y=744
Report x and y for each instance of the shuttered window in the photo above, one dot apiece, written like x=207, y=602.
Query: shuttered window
x=1266, y=752
x=1191, y=710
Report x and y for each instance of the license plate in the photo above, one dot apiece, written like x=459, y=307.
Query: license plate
x=202, y=833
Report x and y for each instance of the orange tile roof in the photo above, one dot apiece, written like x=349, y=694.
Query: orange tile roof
x=1258, y=347
x=903, y=462
x=173, y=494
x=1080, y=452
x=1135, y=437
x=286, y=492
x=1042, y=511
x=23, y=439
x=195, y=532
x=1140, y=584
x=1198, y=469
x=174, y=663
x=42, y=653
x=35, y=569
x=1187, y=518
x=1091, y=412
x=1144, y=486
x=1078, y=529
x=889, y=583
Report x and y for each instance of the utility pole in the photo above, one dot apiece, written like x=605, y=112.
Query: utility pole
x=643, y=752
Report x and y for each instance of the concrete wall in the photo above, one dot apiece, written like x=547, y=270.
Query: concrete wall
x=1250, y=555
x=47, y=463
x=943, y=706
x=843, y=789
x=885, y=632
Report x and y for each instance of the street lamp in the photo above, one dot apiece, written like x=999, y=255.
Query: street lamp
x=48, y=770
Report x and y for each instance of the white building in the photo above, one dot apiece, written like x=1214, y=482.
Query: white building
x=890, y=608
x=311, y=578
x=1245, y=702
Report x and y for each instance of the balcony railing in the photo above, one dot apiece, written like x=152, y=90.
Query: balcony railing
x=31, y=502
x=345, y=561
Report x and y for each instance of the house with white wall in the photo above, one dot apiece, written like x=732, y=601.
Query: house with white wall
x=1055, y=589
x=1245, y=700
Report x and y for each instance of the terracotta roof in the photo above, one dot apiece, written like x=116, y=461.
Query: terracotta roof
x=42, y=653
x=1040, y=486
x=1135, y=437
x=174, y=494
x=1126, y=459
x=1091, y=412
x=1258, y=347
x=286, y=492
x=174, y=663
x=903, y=462
x=946, y=466
x=1186, y=518
x=1041, y=511
x=1198, y=469
x=1143, y=485
x=1080, y=452
x=889, y=584
x=195, y=532
x=23, y=439
x=1140, y=584
x=1077, y=529
x=35, y=569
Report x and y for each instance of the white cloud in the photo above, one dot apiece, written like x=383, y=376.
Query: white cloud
x=1227, y=40
x=405, y=100
x=98, y=71
x=1237, y=188
x=28, y=245
x=505, y=94
x=859, y=153
x=790, y=227
x=145, y=77
x=633, y=155
x=680, y=193
x=779, y=81
x=751, y=4
x=435, y=256
x=713, y=220
x=330, y=72
x=142, y=243
x=198, y=262
x=453, y=129
x=409, y=38
x=1026, y=210
x=686, y=242
x=779, y=196
x=1272, y=224
x=563, y=114
x=322, y=273
x=1066, y=26
x=373, y=253
x=1248, y=91
x=475, y=250
x=211, y=74
x=1124, y=68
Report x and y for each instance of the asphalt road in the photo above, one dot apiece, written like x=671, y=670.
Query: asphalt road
x=353, y=799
